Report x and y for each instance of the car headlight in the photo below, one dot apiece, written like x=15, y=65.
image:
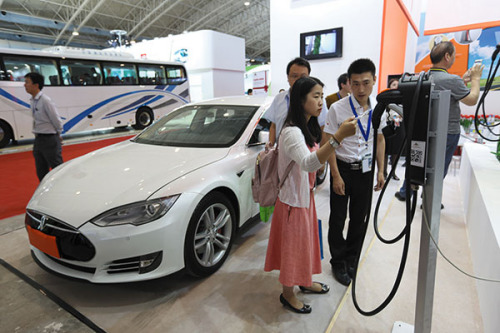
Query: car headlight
x=136, y=213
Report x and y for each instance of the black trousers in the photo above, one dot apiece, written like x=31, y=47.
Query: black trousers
x=47, y=152
x=357, y=189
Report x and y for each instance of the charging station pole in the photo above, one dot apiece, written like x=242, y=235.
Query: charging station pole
x=431, y=208
x=431, y=211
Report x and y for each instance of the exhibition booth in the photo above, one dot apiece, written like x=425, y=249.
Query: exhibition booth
x=397, y=36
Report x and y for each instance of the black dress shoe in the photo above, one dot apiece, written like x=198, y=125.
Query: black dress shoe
x=340, y=274
x=324, y=289
x=395, y=177
x=442, y=206
x=305, y=309
x=351, y=270
x=399, y=196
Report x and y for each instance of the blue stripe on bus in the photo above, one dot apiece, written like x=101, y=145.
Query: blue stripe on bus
x=139, y=101
x=132, y=109
x=75, y=120
x=171, y=87
x=160, y=86
x=14, y=98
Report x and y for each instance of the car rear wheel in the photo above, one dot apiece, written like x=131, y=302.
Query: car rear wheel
x=209, y=235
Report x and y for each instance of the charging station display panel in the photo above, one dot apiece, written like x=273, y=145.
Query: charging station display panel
x=417, y=117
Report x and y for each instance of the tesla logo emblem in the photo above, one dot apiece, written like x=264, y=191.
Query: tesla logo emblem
x=42, y=222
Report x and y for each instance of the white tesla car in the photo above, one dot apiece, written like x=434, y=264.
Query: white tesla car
x=173, y=197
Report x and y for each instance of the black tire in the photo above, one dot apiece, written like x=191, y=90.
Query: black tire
x=321, y=176
x=143, y=118
x=210, y=235
x=5, y=134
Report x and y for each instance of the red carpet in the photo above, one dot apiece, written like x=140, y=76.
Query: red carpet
x=18, y=174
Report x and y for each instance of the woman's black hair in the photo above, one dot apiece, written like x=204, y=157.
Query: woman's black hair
x=297, y=114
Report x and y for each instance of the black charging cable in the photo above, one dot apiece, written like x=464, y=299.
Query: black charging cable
x=410, y=205
x=377, y=207
x=480, y=105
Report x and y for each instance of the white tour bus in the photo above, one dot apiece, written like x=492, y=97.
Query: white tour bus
x=92, y=89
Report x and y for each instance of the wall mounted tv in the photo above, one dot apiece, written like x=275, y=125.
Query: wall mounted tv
x=321, y=44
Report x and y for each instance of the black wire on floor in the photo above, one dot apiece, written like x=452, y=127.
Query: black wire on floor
x=44, y=291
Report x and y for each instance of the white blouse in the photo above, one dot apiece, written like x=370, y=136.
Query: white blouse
x=292, y=146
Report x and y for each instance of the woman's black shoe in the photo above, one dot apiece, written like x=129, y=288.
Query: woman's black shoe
x=395, y=177
x=305, y=309
x=324, y=289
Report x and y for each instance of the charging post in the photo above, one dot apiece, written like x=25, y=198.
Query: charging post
x=431, y=210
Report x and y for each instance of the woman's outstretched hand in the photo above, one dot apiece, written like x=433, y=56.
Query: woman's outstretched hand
x=348, y=128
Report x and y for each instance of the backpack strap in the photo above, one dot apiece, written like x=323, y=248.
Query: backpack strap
x=288, y=168
x=287, y=171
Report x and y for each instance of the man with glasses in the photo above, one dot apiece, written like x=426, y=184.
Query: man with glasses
x=278, y=110
x=443, y=57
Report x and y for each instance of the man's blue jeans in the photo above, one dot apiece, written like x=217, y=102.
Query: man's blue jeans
x=451, y=146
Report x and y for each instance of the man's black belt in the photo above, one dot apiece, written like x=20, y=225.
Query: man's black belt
x=45, y=134
x=350, y=166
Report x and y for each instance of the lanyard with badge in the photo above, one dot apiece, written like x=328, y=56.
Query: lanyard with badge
x=366, y=154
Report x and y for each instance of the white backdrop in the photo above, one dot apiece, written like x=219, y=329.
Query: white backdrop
x=362, y=33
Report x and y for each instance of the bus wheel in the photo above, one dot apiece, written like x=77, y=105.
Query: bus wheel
x=143, y=118
x=5, y=134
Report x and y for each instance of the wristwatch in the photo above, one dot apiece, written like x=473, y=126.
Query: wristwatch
x=333, y=142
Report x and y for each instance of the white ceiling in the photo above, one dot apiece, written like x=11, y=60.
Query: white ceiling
x=52, y=22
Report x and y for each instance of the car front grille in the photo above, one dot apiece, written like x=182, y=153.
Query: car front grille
x=83, y=269
x=71, y=243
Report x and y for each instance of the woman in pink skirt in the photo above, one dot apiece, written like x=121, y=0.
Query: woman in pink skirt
x=293, y=247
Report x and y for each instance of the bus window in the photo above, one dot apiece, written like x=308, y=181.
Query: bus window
x=151, y=74
x=123, y=74
x=18, y=67
x=80, y=73
x=176, y=75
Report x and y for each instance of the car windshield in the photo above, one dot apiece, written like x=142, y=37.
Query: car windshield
x=199, y=126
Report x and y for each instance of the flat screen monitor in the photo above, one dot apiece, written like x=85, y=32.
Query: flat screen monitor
x=321, y=44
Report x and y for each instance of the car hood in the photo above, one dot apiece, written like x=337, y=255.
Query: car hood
x=113, y=176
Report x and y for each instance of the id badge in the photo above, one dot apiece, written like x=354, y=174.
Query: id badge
x=366, y=162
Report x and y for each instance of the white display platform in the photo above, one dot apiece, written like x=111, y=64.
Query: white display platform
x=480, y=187
x=400, y=327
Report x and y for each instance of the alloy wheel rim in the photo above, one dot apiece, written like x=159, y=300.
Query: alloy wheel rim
x=212, y=235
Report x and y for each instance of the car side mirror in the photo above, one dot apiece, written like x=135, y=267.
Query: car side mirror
x=263, y=137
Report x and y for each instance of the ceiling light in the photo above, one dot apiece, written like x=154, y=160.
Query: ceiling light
x=75, y=33
x=247, y=3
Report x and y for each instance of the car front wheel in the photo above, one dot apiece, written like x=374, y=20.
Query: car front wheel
x=209, y=235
